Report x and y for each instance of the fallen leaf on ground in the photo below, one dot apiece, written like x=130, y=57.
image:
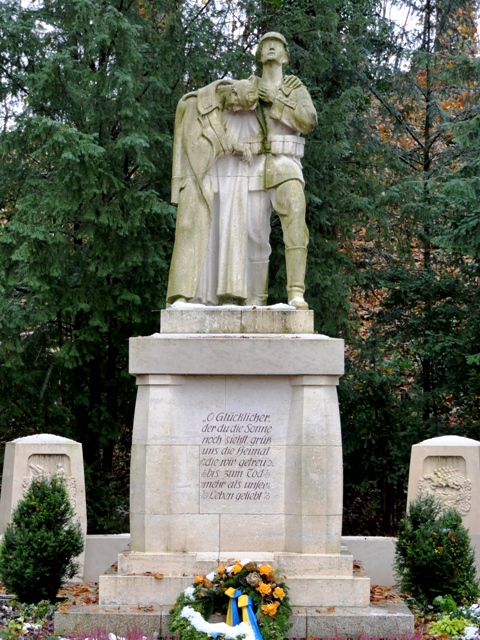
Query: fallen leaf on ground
x=79, y=593
x=381, y=595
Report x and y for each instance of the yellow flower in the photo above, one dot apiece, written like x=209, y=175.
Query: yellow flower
x=199, y=579
x=279, y=593
x=270, y=609
x=221, y=569
x=237, y=567
x=264, y=589
x=265, y=569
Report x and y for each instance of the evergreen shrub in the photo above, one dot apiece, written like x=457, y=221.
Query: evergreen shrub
x=38, y=551
x=433, y=555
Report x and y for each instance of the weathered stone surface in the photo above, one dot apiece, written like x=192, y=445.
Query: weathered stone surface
x=320, y=591
x=141, y=590
x=241, y=320
x=376, y=555
x=373, y=621
x=291, y=564
x=378, y=622
x=116, y=620
x=237, y=354
x=236, y=453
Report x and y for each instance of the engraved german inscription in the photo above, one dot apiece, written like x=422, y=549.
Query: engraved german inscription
x=236, y=461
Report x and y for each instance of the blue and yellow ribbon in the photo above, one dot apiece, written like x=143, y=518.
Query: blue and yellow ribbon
x=244, y=602
x=233, y=616
x=248, y=615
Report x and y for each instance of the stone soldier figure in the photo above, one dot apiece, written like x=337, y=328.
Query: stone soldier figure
x=285, y=111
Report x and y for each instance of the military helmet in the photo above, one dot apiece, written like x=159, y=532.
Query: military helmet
x=272, y=35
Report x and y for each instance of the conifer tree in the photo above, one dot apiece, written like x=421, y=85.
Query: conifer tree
x=90, y=89
x=409, y=371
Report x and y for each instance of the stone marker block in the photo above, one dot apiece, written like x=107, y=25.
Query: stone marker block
x=448, y=467
x=236, y=354
x=43, y=455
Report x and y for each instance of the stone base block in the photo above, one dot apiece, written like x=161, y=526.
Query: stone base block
x=117, y=620
x=329, y=591
x=240, y=320
x=325, y=591
x=306, y=565
x=373, y=621
x=380, y=622
x=141, y=590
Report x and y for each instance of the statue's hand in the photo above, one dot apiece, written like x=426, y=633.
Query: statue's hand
x=266, y=94
x=244, y=151
x=246, y=155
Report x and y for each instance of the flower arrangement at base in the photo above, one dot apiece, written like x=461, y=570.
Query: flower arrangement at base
x=253, y=598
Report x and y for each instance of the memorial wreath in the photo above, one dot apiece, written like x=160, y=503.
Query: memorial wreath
x=253, y=598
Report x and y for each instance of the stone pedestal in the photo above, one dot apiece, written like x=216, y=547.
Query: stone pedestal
x=236, y=453
x=40, y=455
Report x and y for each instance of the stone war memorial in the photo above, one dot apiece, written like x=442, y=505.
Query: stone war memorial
x=448, y=467
x=43, y=455
x=237, y=449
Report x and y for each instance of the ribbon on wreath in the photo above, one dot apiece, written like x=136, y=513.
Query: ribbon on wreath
x=248, y=615
x=244, y=602
x=233, y=616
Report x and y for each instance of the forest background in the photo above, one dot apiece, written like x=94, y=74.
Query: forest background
x=88, y=94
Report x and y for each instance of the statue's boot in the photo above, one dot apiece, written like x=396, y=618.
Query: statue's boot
x=296, y=262
x=257, y=283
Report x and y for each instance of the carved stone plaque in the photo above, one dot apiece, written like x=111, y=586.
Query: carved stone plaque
x=450, y=486
x=47, y=465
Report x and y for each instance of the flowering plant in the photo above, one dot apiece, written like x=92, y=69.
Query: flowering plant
x=268, y=596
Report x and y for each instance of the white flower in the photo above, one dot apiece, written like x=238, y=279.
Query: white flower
x=189, y=591
x=200, y=624
x=28, y=626
x=470, y=632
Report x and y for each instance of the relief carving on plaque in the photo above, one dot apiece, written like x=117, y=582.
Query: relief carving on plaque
x=50, y=464
x=450, y=486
